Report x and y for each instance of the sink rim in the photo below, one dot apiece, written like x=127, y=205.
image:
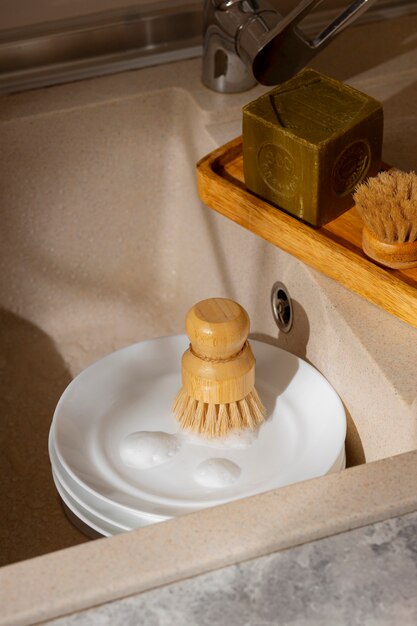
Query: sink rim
x=78, y=578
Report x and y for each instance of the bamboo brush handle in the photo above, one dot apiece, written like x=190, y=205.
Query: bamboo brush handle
x=217, y=328
x=219, y=366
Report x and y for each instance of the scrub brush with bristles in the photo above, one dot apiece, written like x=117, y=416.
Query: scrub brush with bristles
x=387, y=204
x=218, y=393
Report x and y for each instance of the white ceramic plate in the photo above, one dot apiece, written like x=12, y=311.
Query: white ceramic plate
x=102, y=526
x=132, y=390
x=107, y=530
x=88, y=508
x=107, y=526
x=105, y=511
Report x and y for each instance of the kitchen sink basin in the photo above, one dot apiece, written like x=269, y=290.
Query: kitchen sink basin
x=105, y=242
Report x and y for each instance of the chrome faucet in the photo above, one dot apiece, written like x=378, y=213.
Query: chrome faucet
x=248, y=41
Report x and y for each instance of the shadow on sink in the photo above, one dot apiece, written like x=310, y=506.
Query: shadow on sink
x=33, y=376
x=297, y=343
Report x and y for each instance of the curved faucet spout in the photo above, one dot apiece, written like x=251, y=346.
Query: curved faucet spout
x=246, y=41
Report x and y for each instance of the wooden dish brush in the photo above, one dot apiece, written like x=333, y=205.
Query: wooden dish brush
x=218, y=372
x=387, y=204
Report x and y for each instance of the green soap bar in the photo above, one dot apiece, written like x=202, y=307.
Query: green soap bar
x=308, y=143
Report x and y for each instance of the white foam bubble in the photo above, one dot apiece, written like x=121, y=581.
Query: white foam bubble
x=147, y=449
x=217, y=473
x=240, y=439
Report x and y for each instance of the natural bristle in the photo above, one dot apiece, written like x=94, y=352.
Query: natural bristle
x=387, y=204
x=218, y=420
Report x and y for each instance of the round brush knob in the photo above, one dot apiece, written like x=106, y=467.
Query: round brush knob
x=218, y=392
x=217, y=328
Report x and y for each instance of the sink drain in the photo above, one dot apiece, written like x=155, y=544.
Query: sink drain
x=281, y=307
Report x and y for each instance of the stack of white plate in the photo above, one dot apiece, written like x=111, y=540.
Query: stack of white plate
x=131, y=390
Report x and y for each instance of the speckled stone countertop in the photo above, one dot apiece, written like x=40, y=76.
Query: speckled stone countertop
x=364, y=576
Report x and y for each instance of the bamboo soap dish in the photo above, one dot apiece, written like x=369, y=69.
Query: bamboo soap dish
x=334, y=249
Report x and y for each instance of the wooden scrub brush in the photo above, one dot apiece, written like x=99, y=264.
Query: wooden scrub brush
x=218, y=372
x=387, y=204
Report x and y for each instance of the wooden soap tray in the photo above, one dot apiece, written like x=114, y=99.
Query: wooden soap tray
x=334, y=249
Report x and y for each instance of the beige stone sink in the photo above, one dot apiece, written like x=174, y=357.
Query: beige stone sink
x=104, y=242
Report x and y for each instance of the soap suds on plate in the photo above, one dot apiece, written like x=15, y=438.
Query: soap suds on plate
x=217, y=473
x=146, y=449
x=238, y=439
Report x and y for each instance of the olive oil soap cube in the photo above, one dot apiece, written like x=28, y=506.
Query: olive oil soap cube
x=308, y=143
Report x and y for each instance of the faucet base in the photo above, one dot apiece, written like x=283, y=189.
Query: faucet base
x=223, y=70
